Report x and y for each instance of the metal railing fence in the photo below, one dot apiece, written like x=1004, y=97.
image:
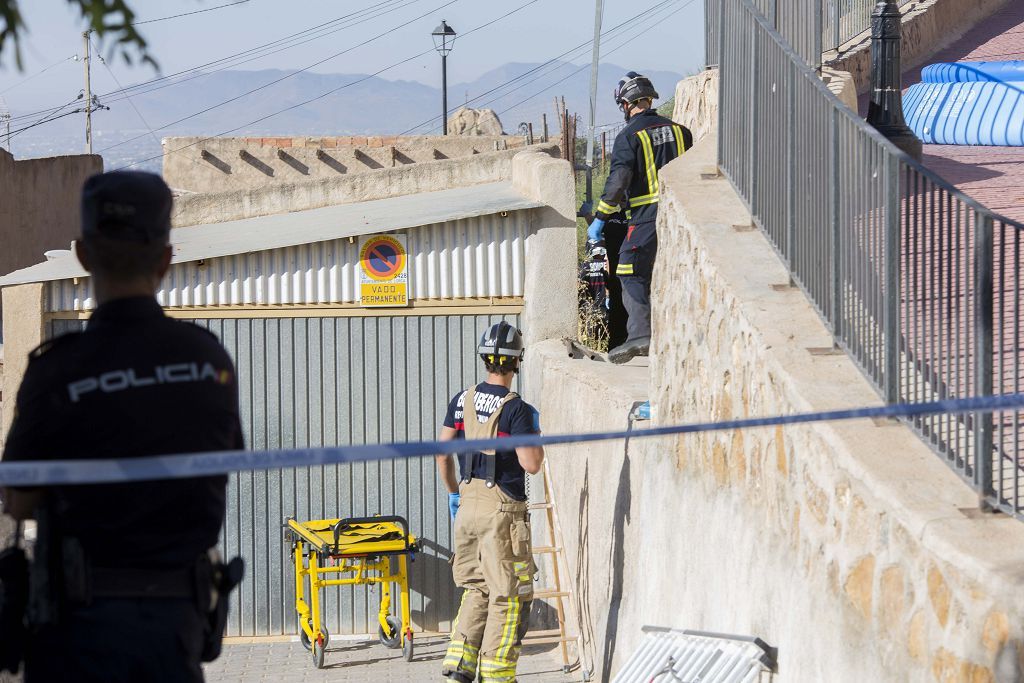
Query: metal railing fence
x=811, y=27
x=918, y=283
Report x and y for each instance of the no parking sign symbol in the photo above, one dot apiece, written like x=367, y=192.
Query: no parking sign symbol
x=383, y=271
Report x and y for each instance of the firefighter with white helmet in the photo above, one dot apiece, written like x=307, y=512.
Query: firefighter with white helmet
x=648, y=142
x=493, y=561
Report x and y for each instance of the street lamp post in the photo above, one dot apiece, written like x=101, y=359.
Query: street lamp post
x=885, y=112
x=444, y=40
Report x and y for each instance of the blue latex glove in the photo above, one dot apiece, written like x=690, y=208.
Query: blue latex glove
x=453, y=503
x=595, y=233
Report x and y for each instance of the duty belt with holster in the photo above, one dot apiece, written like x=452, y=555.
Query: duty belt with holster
x=61, y=576
x=475, y=429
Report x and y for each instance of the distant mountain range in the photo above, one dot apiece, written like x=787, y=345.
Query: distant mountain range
x=359, y=104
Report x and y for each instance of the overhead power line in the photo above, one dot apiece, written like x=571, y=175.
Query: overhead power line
x=188, y=14
x=618, y=47
x=584, y=46
x=38, y=73
x=298, y=38
x=267, y=49
x=130, y=101
x=14, y=133
x=334, y=90
x=292, y=73
x=35, y=114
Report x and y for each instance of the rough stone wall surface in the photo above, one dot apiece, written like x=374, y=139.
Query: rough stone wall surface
x=850, y=546
x=473, y=122
x=928, y=26
x=215, y=207
x=39, y=205
x=696, y=103
x=216, y=164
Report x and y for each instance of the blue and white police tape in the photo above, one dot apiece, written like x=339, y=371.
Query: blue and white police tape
x=65, y=472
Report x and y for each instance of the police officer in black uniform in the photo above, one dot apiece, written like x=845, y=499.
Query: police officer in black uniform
x=647, y=143
x=121, y=585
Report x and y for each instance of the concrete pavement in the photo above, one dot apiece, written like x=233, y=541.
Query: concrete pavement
x=362, y=660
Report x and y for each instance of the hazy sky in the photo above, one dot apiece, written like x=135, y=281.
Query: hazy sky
x=540, y=31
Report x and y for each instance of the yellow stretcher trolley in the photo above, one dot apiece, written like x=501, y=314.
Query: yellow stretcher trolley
x=355, y=551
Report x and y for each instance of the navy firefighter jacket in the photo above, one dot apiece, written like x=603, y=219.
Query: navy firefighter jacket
x=517, y=417
x=648, y=142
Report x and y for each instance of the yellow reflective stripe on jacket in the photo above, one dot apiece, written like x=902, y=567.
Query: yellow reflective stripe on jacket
x=677, y=131
x=643, y=201
x=605, y=207
x=652, y=170
x=624, y=269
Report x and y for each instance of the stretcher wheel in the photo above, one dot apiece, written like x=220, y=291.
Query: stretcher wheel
x=304, y=639
x=318, y=655
x=407, y=647
x=393, y=640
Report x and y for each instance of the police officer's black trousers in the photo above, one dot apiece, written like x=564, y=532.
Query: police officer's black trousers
x=115, y=640
x=636, y=265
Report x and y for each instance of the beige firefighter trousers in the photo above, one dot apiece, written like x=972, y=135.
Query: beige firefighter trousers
x=494, y=565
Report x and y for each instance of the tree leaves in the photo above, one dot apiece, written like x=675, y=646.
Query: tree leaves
x=110, y=19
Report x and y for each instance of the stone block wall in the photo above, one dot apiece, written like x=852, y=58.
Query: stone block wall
x=215, y=206
x=849, y=546
x=218, y=164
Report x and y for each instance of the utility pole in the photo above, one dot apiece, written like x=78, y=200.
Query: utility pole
x=88, y=97
x=6, y=118
x=592, y=122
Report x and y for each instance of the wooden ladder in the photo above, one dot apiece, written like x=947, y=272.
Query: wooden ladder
x=559, y=593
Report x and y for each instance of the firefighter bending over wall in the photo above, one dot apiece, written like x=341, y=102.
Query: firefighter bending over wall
x=493, y=561
x=647, y=143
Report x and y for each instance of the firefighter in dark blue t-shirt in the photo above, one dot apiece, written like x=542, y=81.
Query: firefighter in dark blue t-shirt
x=493, y=556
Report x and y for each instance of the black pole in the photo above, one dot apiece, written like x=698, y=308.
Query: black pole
x=444, y=93
x=885, y=112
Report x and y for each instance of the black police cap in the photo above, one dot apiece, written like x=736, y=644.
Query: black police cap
x=132, y=206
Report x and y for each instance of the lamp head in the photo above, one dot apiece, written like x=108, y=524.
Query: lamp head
x=444, y=38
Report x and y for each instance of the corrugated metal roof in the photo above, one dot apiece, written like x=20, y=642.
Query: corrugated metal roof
x=308, y=227
x=477, y=257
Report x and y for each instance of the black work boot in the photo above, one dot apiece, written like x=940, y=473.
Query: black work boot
x=457, y=676
x=623, y=353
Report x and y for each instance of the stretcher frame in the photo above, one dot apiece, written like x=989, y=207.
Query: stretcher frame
x=321, y=549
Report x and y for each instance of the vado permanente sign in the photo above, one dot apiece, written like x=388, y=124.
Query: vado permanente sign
x=383, y=271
